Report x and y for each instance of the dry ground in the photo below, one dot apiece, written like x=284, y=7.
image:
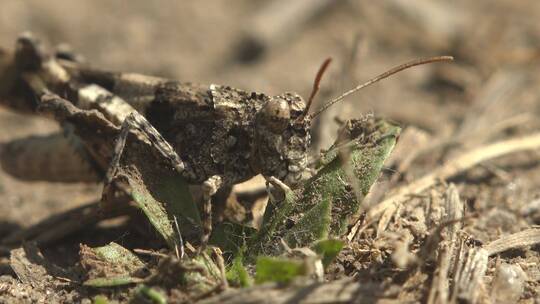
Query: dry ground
x=494, y=79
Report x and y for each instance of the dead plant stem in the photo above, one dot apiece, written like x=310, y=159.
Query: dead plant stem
x=451, y=168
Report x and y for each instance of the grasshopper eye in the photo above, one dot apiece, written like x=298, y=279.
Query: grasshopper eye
x=276, y=115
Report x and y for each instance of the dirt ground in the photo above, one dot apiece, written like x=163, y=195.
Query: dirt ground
x=493, y=82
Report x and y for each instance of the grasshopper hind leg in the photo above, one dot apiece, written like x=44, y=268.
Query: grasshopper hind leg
x=136, y=122
x=209, y=188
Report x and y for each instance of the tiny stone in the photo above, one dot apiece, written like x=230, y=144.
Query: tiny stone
x=508, y=284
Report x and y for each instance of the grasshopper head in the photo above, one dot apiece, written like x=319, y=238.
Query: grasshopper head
x=283, y=123
x=282, y=139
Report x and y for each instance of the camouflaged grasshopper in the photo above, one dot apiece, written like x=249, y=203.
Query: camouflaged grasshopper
x=212, y=135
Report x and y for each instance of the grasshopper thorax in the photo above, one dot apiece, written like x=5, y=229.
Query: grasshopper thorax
x=282, y=141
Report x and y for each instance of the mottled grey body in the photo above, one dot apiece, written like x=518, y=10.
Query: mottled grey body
x=219, y=130
x=213, y=135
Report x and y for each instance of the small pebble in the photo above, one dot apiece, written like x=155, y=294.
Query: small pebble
x=508, y=284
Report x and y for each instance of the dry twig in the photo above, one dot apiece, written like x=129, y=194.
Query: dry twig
x=471, y=268
x=449, y=169
x=440, y=287
x=520, y=239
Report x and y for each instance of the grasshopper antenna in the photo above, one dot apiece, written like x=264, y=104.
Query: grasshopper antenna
x=316, y=86
x=377, y=78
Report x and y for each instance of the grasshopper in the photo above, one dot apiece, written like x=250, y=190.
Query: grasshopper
x=212, y=135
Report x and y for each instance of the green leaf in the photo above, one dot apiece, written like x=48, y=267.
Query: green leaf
x=118, y=255
x=197, y=281
x=151, y=294
x=161, y=203
x=275, y=216
x=100, y=299
x=313, y=225
x=237, y=273
x=111, y=282
x=231, y=237
x=278, y=270
x=367, y=145
x=328, y=249
x=159, y=191
x=110, y=265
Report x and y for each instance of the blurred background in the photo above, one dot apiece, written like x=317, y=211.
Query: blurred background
x=274, y=46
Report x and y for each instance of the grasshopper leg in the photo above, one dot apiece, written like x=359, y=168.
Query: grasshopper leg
x=136, y=122
x=209, y=188
x=279, y=189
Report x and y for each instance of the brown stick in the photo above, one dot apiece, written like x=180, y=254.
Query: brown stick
x=450, y=169
x=520, y=239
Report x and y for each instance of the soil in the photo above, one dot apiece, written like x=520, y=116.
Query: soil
x=493, y=80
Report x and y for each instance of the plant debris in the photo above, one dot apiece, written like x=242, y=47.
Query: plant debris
x=425, y=190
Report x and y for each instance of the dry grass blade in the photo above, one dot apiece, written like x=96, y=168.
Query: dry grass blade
x=451, y=168
x=517, y=240
x=469, y=277
x=440, y=289
x=478, y=136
